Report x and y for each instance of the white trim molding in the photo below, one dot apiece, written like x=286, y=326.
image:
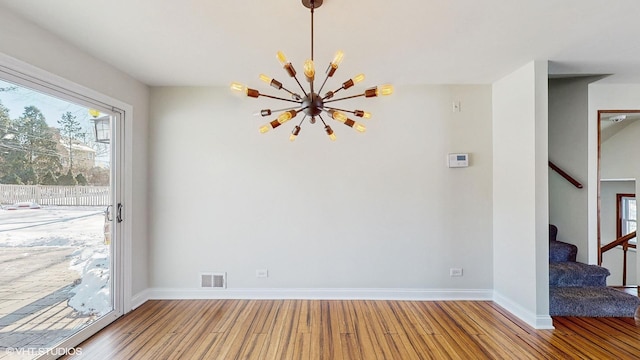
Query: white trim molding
x=539, y=322
x=536, y=321
x=140, y=298
x=315, y=294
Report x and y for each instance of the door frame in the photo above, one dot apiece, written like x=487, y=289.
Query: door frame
x=22, y=73
x=599, y=177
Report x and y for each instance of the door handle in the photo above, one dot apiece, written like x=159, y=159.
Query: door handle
x=107, y=213
x=119, y=213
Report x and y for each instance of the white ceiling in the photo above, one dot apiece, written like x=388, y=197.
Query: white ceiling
x=609, y=128
x=212, y=42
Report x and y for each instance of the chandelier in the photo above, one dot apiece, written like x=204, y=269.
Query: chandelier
x=311, y=103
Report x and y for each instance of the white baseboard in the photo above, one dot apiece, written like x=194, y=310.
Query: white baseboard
x=539, y=322
x=322, y=294
x=536, y=321
x=140, y=298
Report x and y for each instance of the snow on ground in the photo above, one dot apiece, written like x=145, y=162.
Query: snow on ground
x=63, y=226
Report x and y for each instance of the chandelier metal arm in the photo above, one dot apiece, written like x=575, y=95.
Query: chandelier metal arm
x=344, y=98
x=330, y=94
x=279, y=98
x=293, y=95
x=267, y=112
x=302, y=88
x=321, y=119
x=323, y=83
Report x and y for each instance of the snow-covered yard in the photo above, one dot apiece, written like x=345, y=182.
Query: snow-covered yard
x=80, y=228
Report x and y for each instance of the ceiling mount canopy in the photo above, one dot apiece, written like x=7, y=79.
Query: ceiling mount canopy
x=311, y=4
x=309, y=102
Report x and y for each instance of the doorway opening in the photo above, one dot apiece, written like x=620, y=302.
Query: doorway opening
x=617, y=134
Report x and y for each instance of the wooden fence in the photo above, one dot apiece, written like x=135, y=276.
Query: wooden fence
x=55, y=195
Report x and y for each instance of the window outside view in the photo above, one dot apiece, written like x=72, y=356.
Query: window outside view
x=55, y=244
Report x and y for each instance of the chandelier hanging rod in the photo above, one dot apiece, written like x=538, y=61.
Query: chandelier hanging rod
x=312, y=11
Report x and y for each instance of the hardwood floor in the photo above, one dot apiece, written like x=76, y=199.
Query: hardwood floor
x=323, y=329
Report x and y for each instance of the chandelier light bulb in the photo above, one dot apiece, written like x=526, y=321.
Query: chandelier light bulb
x=309, y=70
x=337, y=59
x=286, y=64
x=385, y=90
x=379, y=90
x=273, y=82
x=264, y=128
x=282, y=58
x=362, y=114
x=238, y=87
x=330, y=133
x=265, y=78
x=337, y=115
x=294, y=133
x=286, y=116
x=358, y=78
x=349, y=83
x=272, y=125
x=359, y=127
x=333, y=66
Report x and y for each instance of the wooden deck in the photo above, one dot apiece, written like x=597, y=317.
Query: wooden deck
x=322, y=329
x=35, y=285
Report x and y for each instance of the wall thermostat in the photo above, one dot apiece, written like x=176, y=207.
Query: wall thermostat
x=458, y=160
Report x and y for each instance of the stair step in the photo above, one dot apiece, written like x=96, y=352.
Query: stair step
x=577, y=274
x=591, y=302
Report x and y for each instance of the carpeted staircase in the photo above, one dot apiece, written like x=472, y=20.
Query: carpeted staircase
x=577, y=289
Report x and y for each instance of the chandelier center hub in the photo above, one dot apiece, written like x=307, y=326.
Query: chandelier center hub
x=313, y=104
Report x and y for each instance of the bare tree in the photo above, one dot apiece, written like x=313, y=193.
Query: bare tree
x=71, y=129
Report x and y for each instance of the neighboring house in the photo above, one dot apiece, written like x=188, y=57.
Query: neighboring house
x=83, y=156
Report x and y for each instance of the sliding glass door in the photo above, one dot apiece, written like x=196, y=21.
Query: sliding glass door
x=61, y=238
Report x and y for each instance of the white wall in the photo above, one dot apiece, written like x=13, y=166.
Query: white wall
x=568, y=143
x=378, y=210
x=28, y=43
x=520, y=193
x=607, y=97
x=617, y=154
x=613, y=259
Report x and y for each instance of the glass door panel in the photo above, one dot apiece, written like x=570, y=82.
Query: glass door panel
x=57, y=228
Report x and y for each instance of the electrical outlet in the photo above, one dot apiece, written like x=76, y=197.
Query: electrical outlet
x=457, y=106
x=455, y=272
x=262, y=273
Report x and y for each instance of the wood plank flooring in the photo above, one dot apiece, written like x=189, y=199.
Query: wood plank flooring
x=323, y=329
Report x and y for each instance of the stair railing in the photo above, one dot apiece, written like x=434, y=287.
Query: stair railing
x=567, y=177
x=624, y=241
